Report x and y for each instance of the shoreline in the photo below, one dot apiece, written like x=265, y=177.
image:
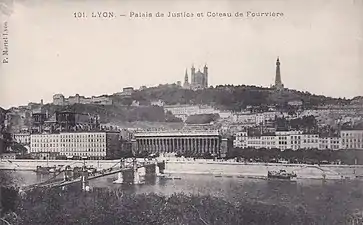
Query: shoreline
x=260, y=170
x=209, y=167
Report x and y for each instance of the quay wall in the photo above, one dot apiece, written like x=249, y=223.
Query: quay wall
x=210, y=167
x=302, y=171
x=24, y=164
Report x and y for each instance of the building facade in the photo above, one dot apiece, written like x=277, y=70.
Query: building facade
x=158, y=103
x=196, y=142
x=295, y=103
x=183, y=111
x=250, y=119
x=265, y=141
x=280, y=139
x=7, y=156
x=22, y=138
x=59, y=99
x=240, y=140
x=332, y=143
x=351, y=139
x=93, y=145
x=126, y=91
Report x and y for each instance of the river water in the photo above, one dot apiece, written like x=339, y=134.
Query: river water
x=330, y=200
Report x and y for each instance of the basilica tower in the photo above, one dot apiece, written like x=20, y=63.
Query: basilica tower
x=193, y=75
x=186, y=79
x=205, y=72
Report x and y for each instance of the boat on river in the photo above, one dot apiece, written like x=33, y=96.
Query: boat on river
x=168, y=177
x=46, y=169
x=281, y=175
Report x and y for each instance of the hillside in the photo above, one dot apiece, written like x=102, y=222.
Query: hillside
x=2, y=116
x=224, y=97
x=116, y=113
x=2, y=120
x=202, y=118
x=3, y=134
x=232, y=97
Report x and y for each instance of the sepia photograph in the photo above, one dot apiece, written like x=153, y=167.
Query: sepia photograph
x=181, y=112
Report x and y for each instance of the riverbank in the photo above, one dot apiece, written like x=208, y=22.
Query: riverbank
x=207, y=167
x=260, y=170
x=31, y=165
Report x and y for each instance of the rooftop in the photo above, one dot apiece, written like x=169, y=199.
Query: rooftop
x=80, y=131
x=178, y=133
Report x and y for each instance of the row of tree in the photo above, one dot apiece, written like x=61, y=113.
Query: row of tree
x=232, y=97
x=310, y=156
x=117, y=113
x=299, y=156
x=202, y=118
x=102, y=206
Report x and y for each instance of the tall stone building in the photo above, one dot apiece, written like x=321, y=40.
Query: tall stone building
x=278, y=83
x=199, y=79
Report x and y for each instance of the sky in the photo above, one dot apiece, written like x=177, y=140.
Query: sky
x=319, y=43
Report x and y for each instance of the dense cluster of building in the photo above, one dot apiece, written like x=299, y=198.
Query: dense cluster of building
x=348, y=139
x=72, y=135
x=59, y=99
x=68, y=134
x=93, y=145
x=110, y=144
x=184, y=111
x=107, y=144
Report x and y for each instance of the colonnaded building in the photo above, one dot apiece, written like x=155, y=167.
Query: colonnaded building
x=181, y=141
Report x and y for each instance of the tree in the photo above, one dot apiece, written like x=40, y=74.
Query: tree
x=202, y=118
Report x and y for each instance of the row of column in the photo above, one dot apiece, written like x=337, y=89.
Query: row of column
x=179, y=144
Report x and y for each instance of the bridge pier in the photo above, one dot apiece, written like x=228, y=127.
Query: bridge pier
x=160, y=167
x=67, y=174
x=122, y=164
x=84, y=180
x=136, y=178
x=157, y=169
x=141, y=171
x=136, y=173
x=120, y=175
x=120, y=178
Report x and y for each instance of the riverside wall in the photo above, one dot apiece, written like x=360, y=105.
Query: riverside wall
x=31, y=165
x=260, y=170
x=207, y=167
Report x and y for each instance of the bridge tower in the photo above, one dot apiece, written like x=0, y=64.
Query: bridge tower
x=84, y=179
x=67, y=173
x=120, y=177
x=136, y=172
x=160, y=167
x=122, y=163
x=157, y=169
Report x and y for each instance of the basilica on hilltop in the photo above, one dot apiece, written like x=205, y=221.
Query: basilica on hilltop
x=199, y=79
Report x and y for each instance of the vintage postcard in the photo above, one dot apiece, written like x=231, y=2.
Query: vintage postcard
x=181, y=112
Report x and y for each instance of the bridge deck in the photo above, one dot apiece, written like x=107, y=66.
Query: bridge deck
x=103, y=173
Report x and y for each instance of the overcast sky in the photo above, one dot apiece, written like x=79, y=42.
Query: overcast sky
x=319, y=43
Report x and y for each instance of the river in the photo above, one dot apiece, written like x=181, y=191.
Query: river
x=332, y=200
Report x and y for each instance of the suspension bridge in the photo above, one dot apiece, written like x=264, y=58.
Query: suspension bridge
x=66, y=176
